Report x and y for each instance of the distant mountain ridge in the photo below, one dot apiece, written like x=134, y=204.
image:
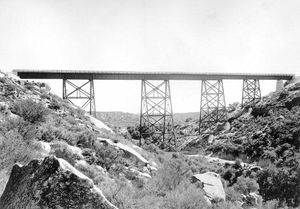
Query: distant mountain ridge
x=125, y=119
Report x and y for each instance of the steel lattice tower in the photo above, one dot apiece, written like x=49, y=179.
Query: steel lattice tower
x=84, y=92
x=212, y=103
x=156, y=117
x=251, y=91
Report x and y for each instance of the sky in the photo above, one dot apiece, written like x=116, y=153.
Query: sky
x=247, y=36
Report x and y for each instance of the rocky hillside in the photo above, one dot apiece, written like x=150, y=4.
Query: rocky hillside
x=36, y=124
x=266, y=134
x=54, y=155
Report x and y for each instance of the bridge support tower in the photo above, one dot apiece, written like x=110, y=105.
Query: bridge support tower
x=279, y=85
x=251, y=91
x=83, y=94
x=156, y=116
x=212, y=104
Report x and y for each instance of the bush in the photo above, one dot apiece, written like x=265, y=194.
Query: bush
x=226, y=205
x=171, y=175
x=90, y=171
x=280, y=184
x=185, y=196
x=108, y=156
x=86, y=139
x=54, y=105
x=48, y=134
x=30, y=110
x=62, y=150
x=245, y=185
x=14, y=149
x=119, y=193
x=29, y=86
x=25, y=129
x=45, y=96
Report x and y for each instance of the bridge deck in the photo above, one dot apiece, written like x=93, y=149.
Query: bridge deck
x=135, y=75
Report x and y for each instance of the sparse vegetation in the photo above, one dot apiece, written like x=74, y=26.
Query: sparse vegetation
x=270, y=137
x=30, y=110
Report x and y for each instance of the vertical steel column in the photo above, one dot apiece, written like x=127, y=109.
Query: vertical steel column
x=64, y=89
x=212, y=104
x=73, y=92
x=92, y=98
x=156, y=119
x=251, y=91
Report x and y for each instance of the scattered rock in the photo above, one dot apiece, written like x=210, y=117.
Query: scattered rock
x=212, y=186
x=141, y=174
x=44, y=146
x=51, y=183
x=99, y=124
x=126, y=149
x=252, y=200
x=211, y=139
x=227, y=126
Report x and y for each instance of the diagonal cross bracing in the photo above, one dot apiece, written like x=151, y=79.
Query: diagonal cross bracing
x=84, y=92
x=251, y=91
x=212, y=104
x=156, y=113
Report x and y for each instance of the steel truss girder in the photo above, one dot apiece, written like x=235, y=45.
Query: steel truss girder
x=84, y=92
x=251, y=91
x=212, y=103
x=156, y=113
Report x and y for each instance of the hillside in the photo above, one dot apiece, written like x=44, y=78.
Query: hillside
x=124, y=119
x=118, y=119
x=267, y=133
x=53, y=155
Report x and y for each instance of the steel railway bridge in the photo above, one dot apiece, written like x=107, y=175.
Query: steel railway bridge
x=156, y=108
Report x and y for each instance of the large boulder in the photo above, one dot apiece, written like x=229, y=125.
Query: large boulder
x=212, y=186
x=51, y=183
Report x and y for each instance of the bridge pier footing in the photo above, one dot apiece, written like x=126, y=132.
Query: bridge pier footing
x=212, y=104
x=84, y=92
x=156, y=116
x=251, y=91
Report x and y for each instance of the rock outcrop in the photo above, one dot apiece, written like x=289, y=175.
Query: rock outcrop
x=252, y=201
x=51, y=183
x=212, y=186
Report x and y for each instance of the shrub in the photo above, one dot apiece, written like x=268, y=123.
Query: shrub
x=62, y=150
x=30, y=110
x=54, y=105
x=48, y=134
x=232, y=195
x=151, y=148
x=108, y=155
x=185, y=196
x=77, y=112
x=245, y=185
x=171, y=175
x=280, y=184
x=45, y=96
x=226, y=205
x=119, y=193
x=29, y=86
x=25, y=129
x=86, y=139
x=14, y=149
x=90, y=171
